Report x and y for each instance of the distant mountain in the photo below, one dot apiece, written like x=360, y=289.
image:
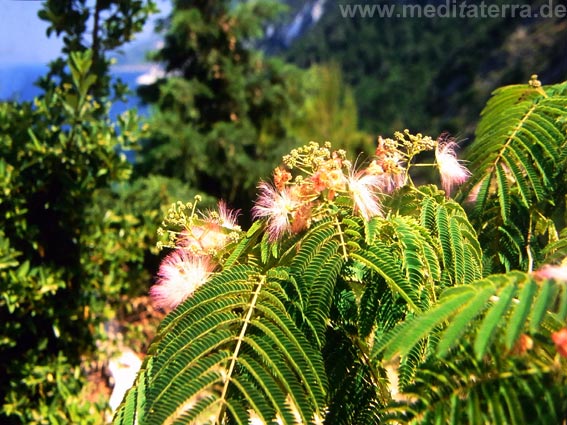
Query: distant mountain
x=298, y=19
x=425, y=74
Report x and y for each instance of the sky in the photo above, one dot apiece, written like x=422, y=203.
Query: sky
x=22, y=34
x=23, y=39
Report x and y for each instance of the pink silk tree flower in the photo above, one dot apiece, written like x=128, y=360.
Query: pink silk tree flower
x=549, y=271
x=228, y=217
x=203, y=239
x=276, y=206
x=179, y=275
x=390, y=172
x=212, y=232
x=328, y=178
x=364, y=188
x=453, y=173
x=559, y=338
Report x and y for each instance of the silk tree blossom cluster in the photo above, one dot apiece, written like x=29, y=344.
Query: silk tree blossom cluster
x=320, y=175
x=290, y=204
x=196, y=246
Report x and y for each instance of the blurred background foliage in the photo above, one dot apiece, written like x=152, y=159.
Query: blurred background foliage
x=432, y=74
x=78, y=221
x=220, y=115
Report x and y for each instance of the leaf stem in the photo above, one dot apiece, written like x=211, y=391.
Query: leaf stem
x=528, y=245
x=238, y=345
x=343, y=244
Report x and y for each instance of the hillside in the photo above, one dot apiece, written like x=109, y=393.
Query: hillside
x=428, y=74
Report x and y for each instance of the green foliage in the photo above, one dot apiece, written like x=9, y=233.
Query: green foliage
x=399, y=315
x=556, y=250
x=317, y=287
x=496, y=310
x=330, y=112
x=517, y=190
x=355, y=297
x=506, y=362
x=63, y=257
x=221, y=102
x=119, y=241
x=62, y=396
x=462, y=389
x=101, y=26
x=54, y=155
x=455, y=63
x=235, y=331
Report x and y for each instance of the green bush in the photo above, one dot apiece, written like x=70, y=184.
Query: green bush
x=56, y=155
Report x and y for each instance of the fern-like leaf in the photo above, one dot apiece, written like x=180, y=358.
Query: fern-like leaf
x=379, y=259
x=230, y=349
x=496, y=308
x=464, y=389
x=516, y=158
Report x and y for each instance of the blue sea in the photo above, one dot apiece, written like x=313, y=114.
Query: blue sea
x=17, y=84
